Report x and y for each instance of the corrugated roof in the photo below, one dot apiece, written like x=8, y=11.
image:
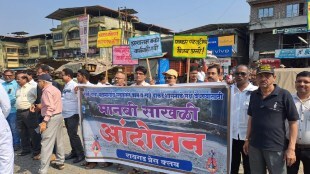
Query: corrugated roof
x=212, y=27
x=97, y=10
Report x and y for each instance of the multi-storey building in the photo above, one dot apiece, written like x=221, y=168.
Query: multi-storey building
x=278, y=29
x=21, y=51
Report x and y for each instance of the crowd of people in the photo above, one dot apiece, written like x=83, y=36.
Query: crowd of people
x=269, y=125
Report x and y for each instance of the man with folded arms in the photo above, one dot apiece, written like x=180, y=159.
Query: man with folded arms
x=51, y=127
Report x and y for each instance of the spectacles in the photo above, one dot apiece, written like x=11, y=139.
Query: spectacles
x=240, y=73
x=117, y=78
x=8, y=75
x=141, y=74
x=169, y=78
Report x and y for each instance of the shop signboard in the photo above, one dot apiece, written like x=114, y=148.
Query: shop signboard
x=292, y=53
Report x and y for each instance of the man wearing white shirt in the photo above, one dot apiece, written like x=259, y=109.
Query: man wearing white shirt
x=30, y=78
x=6, y=139
x=140, y=76
x=201, y=75
x=102, y=81
x=240, y=97
x=71, y=116
x=302, y=102
x=83, y=77
x=27, y=121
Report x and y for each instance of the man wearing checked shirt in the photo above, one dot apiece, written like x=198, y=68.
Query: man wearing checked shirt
x=302, y=102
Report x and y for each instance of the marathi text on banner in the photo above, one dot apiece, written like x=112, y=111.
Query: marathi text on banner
x=121, y=55
x=145, y=46
x=83, y=26
x=167, y=129
x=109, y=38
x=190, y=46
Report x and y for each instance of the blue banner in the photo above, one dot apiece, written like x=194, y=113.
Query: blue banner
x=145, y=46
x=224, y=51
x=292, y=53
x=179, y=129
x=163, y=66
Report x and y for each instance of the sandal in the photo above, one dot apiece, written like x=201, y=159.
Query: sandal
x=91, y=165
x=106, y=164
x=84, y=163
x=119, y=167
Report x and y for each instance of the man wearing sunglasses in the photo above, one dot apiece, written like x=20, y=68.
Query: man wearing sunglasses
x=171, y=77
x=240, y=97
x=269, y=108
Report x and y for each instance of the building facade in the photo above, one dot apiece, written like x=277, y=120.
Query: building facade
x=278, y=31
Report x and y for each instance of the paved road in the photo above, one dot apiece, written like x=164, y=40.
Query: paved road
x=25, y=165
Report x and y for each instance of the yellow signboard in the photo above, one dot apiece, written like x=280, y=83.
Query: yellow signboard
x=226, y=40
x=109, y=38
x=190, y=46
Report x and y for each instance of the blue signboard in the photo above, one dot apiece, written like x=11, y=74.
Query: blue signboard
x=292, y=53
x=225, y=51
x=145, y=46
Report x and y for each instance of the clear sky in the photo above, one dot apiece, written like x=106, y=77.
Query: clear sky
x=177, y=15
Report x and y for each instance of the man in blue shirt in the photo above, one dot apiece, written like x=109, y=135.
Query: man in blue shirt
x=10, y=85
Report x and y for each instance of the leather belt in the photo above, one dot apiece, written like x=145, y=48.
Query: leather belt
x=303, y=146
x=55, y=114
x=22, y=110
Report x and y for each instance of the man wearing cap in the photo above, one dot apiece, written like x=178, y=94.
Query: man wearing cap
x=52, y=126
x=171, y=77
x=270, y=106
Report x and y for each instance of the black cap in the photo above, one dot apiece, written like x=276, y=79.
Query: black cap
x=45, y=77
x=265, y=69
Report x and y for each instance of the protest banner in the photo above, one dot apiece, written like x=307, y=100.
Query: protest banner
x=145, y=46
x=83, y=26
x=121, y=56
x=190, y=46
x=109, y=38
x=181, y=129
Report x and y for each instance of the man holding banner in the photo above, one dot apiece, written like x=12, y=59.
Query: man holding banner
x=140, y=76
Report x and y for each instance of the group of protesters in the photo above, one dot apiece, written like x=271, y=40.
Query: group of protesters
x=269, y=125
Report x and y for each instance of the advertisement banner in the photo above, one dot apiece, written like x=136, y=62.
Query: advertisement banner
x=145, y=46
x=83, y=26
x=180, y=129
x=224, y=51
x=292, y=53
x=121, y=55
x=226, y=40
x=109, y=38
x=190, y=46
x=222, y=61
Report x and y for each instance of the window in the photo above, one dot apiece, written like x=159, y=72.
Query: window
x=34, y=49
x=43, y=50
x=11, y=50
x=74, y=34
x=93, y=30
x=22, y=51
x=293, y=10
x=265, y=12
x=57, y=37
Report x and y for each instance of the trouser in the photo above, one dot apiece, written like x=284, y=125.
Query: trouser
x=6, y=148
x=302, y=154
x=27, y=123
x=260, y=159
x=237, y=152
x=53, y=134
x=72, y=124
x=13, y=125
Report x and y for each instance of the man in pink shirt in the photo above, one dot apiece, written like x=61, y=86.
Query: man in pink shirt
x=51, y=126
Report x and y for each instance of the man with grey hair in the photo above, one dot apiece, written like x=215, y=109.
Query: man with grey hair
x=51, y=126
